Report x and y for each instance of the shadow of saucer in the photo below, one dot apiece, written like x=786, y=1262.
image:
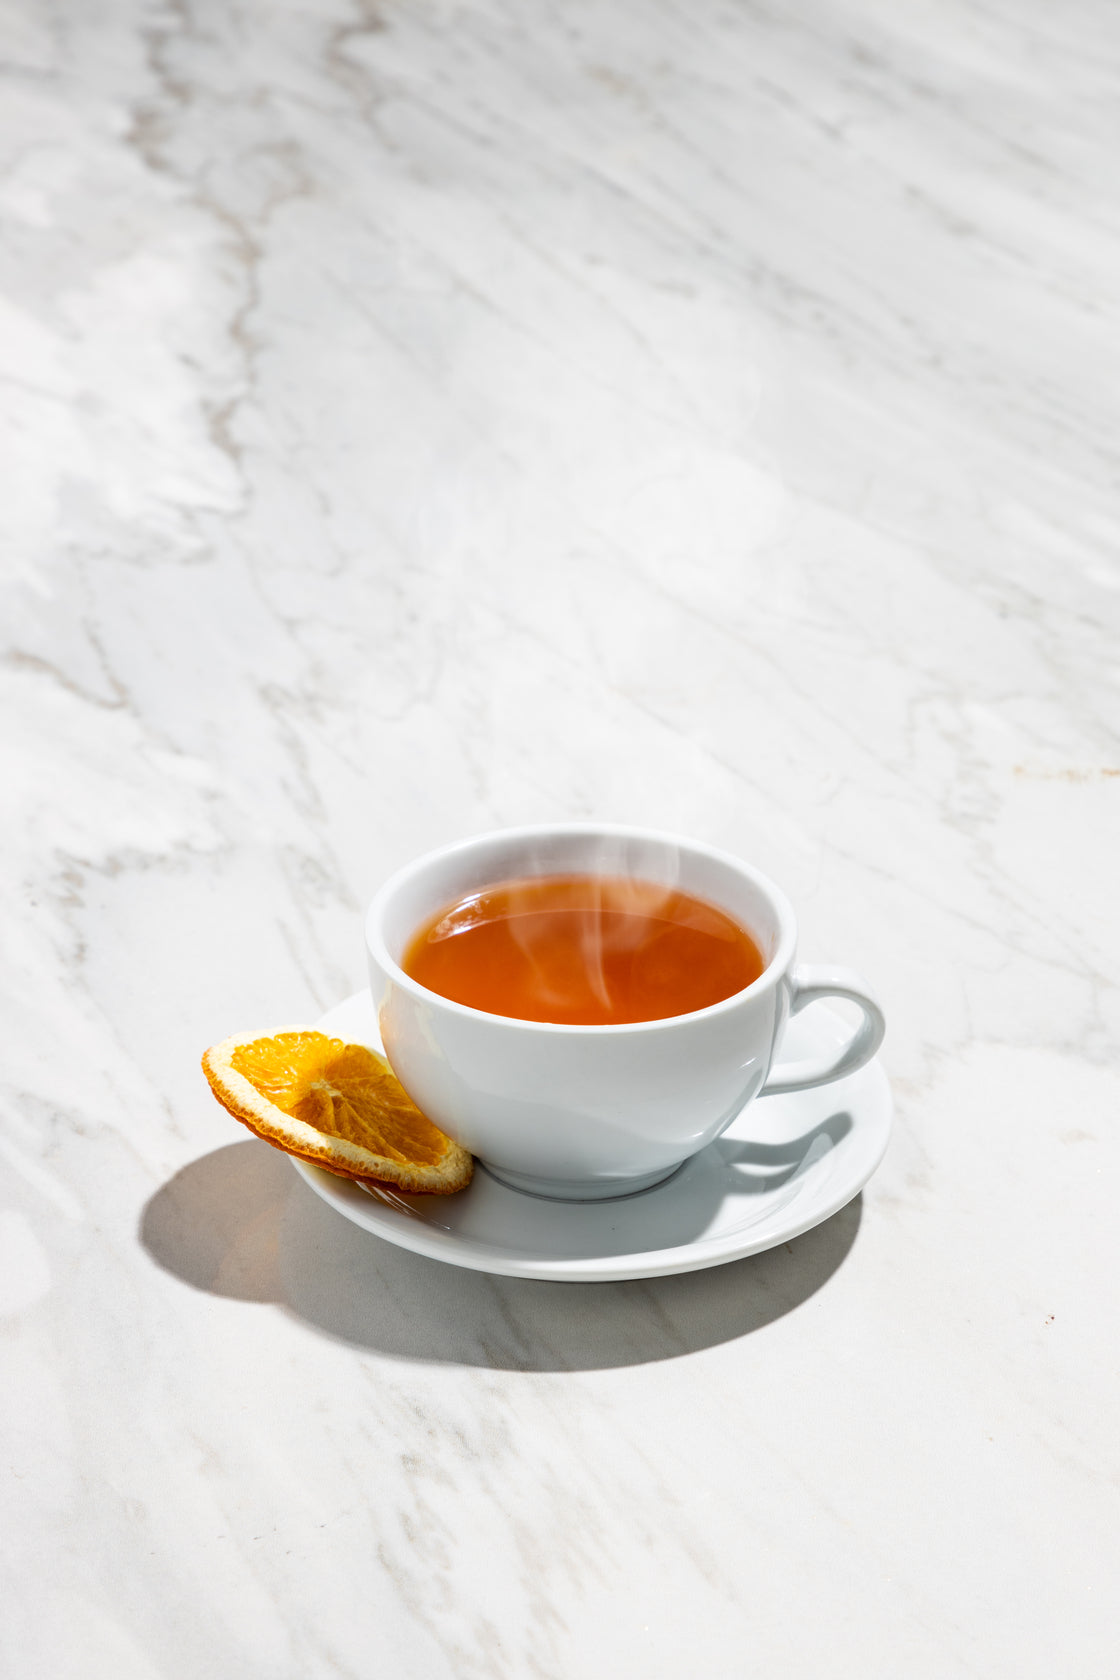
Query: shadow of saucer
x=240, y=1223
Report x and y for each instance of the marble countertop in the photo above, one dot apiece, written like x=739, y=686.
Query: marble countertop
x=427, y=418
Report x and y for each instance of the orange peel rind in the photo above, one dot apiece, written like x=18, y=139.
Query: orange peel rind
x=337, y=1105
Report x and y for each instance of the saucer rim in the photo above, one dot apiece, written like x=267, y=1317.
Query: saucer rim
x=701, y=1253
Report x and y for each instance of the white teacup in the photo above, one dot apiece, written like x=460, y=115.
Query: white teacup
x=587, y=1112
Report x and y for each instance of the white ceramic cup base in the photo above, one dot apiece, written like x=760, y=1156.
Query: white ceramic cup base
x=578, y=1190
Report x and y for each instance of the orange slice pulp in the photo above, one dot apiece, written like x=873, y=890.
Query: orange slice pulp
x=337, y=1105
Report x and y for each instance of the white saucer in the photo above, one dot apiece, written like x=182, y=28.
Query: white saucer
x=786, y=1164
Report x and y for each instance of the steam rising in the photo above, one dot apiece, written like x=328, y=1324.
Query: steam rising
x=613, y=875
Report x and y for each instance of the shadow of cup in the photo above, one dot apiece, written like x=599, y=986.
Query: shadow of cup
x=240, y=1223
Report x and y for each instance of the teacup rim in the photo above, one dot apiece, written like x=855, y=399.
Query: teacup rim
x=771, y=975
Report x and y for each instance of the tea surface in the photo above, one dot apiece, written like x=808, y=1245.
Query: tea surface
x=584, y=950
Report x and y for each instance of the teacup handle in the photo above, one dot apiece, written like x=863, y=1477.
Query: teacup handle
x=808, y=982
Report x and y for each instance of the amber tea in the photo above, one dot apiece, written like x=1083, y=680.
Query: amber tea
x=583, y=950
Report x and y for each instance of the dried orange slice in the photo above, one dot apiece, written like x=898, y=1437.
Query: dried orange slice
x=337, y=1105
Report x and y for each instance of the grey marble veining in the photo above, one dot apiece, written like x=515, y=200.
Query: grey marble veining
x=419, y=419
